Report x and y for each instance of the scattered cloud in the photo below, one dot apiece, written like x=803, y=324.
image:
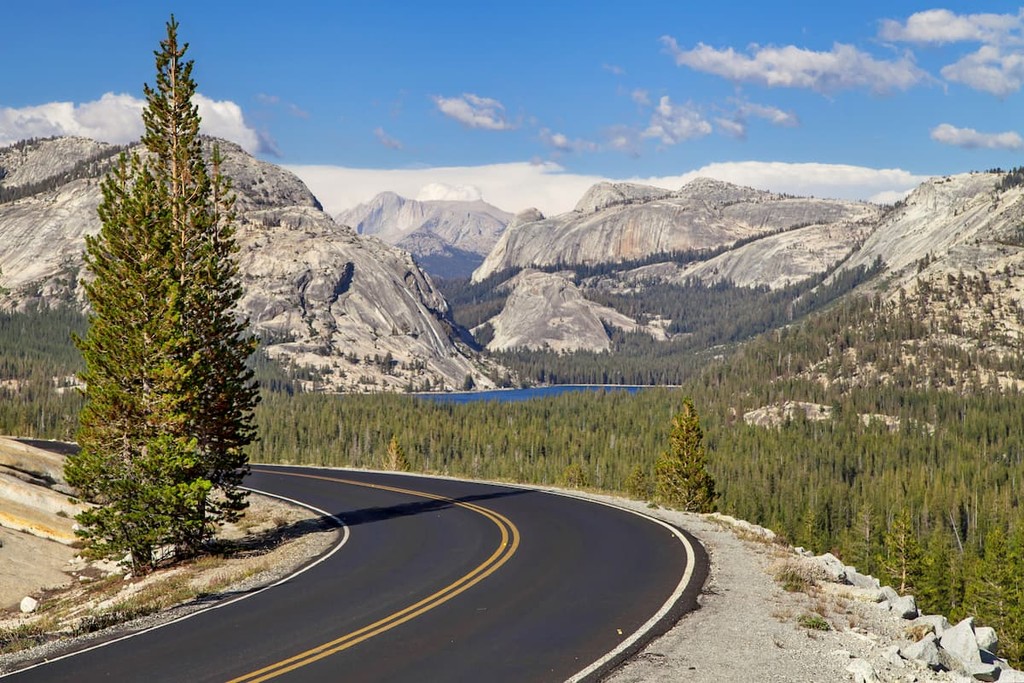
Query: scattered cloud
x=385, y=139
x=474, y=111
x=623, y=139
x=968, y=138
x=563, y=143
x=675, y=123
x=445, y=192
x=941, y=26
x=640, y=96
x=614, y=69
x=843, y=68
x=117, y=118
x=773, y=115
x=269, y=100
x=989, y=70
x=732, y=127
x=548, y=187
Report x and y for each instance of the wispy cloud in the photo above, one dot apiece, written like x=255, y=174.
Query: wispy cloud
x=563, y=143
x=968, y=138
x=117, y=118
x=941, y=26
x=385, y=139
x=675, y=123
x=842, y=68
x=641, y=97
x=474, y=111
x=614, y=69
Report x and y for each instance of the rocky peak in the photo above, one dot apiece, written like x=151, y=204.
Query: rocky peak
x=33, y=166
x=603, y=195
x=530, y=215
x=720, y=192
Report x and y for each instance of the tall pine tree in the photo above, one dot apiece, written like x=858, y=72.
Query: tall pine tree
x=681, y=478
x=169, y=399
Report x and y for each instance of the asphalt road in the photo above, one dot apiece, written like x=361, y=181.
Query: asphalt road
x=437, y=580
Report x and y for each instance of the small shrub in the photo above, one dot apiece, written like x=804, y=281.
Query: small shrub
x=21, y=637
x=794, y=578
x=814, y=622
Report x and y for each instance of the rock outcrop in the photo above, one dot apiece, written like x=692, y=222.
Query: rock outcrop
x=618, y=222
x=455, y=235
x=548, y=311
x=359, y=311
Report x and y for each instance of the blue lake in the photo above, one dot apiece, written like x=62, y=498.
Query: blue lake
x=509, y=395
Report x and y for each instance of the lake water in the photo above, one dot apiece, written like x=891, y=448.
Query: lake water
x=509, y=395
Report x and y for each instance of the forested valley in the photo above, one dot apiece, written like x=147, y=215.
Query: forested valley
x=918, y=462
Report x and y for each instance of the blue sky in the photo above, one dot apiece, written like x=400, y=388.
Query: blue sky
x=528, y=103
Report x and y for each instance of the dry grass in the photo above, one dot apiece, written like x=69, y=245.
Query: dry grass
x=91, y=604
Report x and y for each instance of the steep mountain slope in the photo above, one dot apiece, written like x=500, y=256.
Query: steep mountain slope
x=548, y=311
x=455, y=235
x=619, y=222
x=359, y=311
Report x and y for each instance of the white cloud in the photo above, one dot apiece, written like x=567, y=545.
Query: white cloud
x=675, y=123
x=732, y=127
x=117, y=118
x=844, y=67
x=474, y=111
x=968, y=138
x=614, y=69
x=563, y=143
x=988, y=70
x=640, y=96
x=940, y=26
x=773, y=115
x=546, y=186
x=385, y=139
x=444, y=192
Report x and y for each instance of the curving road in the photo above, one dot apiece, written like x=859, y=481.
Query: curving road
x=439, y=580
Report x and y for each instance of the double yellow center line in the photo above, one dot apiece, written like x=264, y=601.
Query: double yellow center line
x=506, y=548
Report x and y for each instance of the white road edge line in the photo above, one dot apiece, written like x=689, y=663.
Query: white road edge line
x=636, y=635
x=665, y=609
x=344, y=539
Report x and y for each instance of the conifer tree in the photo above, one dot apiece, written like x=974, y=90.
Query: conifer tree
x=169, y=399
x=681, y=478
x=902, y=561
x=395, y=458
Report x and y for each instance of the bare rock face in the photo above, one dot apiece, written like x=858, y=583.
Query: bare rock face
x=548, y=311
x=430, y=228
x=952, y=221
x=359, y=310
x=617, y=222
x=603, y=195
x=36, y=161
x=777, y=260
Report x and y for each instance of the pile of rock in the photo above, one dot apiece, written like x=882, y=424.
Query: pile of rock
x=929, y=642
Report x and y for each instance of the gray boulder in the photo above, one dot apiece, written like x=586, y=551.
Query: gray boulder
x=960, y=650
x=834, y=570
x=938, y=623
x=889, y=594
x=905, y=607
x=862, y=671
x=859, y=580
x=987, y=638
x=924, y=651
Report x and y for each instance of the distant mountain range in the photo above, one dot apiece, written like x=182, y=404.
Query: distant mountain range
x=364, y=316
x=359, y=312
x=447, y=238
